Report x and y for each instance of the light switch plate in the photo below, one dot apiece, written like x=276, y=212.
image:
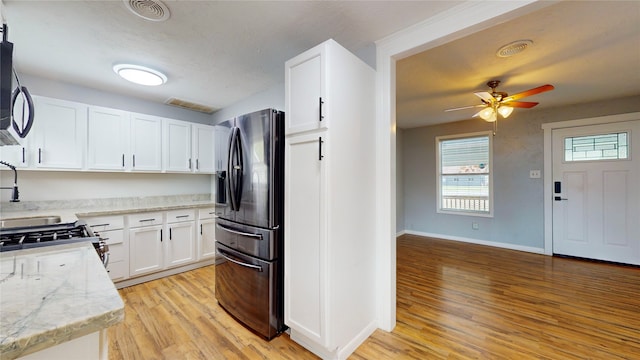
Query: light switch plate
x=534, y=174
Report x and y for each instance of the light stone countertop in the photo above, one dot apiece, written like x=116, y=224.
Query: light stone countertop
x=50, y=295
x=70, y=211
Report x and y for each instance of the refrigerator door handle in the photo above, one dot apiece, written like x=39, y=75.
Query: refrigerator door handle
x=227, y=257
x=230, y=169
x=241, y=233
x=238, y=167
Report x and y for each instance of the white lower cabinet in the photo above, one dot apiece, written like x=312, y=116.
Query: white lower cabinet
x=145, y=243
x=206, y=233
x=180, y=247
x=111, y=230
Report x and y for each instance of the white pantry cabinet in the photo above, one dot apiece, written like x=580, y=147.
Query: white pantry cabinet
x=59, y=129
x=330, y=302
x=108, y=133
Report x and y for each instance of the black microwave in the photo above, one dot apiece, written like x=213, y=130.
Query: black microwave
x=6, y=75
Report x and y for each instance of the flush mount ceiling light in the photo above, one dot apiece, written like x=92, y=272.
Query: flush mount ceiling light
x=140, y=74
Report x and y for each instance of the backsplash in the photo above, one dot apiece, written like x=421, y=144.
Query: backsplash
x=114, y=203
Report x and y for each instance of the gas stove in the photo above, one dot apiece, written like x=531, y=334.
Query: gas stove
x=29, y=237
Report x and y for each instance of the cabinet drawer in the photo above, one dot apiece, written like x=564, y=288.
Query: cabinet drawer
x=207, y=213
x=103, y=223
x=117, y=270
x=174, y=216
x=112, y=237
x=116, y=252
x=145, y=219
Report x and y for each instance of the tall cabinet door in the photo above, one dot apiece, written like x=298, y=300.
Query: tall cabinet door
x=146, y=142
x=108, y=139
x=306, y=257
x=305, y=91
x=60, y=128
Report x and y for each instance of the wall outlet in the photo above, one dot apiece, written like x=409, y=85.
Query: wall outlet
x=475, y=226
x=534, y=174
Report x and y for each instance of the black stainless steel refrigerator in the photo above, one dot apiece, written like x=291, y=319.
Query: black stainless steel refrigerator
x=249, y=232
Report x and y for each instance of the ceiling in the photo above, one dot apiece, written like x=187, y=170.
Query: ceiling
x=589, y=50
x=214, y=53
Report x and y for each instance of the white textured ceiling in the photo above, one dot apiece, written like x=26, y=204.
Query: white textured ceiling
x=215, y=53
x=589, y=50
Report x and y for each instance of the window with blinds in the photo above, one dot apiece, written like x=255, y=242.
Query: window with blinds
x=464, y=174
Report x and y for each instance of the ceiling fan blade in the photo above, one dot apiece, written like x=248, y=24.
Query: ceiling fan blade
x=466, y=107
x=529, y=92
x=521, y=104
x=485, y=96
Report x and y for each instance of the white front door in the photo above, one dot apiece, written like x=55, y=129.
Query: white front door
x=596, y=191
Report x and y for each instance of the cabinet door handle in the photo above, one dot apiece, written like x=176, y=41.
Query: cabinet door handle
x=23, y=156
x=122, y=160
x=320, y=102
x=39, y=155
x=182, y=216
x=145, y=220
x=189, y=163
x=197, y=164
x=169, y=233
x=320, y=156
x=200, y=229
x=96, y=225
x=160, y=235
x=134, y=160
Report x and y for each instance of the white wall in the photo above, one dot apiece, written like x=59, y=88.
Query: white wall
x=399, y=181
x=518, y=200
x=66, y=91
x=270, y=98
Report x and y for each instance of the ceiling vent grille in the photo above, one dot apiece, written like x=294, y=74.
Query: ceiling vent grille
x=190, y=105
x=152, y=10
x=513, y=48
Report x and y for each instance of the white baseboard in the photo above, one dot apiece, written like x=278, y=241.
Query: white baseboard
x=338, y=353
x=357, y=341
x=530, y=249
x=164, y=273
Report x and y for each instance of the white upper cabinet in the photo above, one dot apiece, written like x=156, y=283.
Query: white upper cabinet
x=108, y=139
x=59, y=132
x=305, y=91
x=203, y=148
x=146, y=142
x=177, y=146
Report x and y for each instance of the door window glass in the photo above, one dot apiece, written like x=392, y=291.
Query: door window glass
x=597, y=147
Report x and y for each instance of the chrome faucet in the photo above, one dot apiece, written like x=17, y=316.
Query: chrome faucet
x=14, y=195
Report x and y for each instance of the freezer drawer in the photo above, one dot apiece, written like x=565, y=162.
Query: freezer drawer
x=261, y=243
x=250, y=290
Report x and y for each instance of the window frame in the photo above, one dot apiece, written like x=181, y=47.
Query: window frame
x=439, y=209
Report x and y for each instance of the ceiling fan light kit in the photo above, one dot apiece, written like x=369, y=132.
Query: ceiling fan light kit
x=498, y=102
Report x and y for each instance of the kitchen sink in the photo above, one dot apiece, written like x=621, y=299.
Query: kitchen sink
x=29, y=221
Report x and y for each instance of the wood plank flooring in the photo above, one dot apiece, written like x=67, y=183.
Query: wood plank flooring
x=455, y=301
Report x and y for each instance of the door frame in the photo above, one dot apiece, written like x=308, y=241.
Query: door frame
x=548, y=164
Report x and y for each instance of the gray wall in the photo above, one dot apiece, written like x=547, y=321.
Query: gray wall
x=518, y=200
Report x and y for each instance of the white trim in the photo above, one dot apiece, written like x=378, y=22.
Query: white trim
x=438, y=140
x=400, y=233
x=528, y=249
x=457, y=22
x=548, y=163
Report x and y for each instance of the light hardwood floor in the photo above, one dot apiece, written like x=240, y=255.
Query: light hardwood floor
x=455, y=301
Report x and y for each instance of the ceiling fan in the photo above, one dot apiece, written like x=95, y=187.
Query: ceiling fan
x=498, y=102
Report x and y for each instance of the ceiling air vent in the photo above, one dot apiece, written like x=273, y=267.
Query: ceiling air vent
x=513, y=48
x=190, y=106
x=152, y=10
